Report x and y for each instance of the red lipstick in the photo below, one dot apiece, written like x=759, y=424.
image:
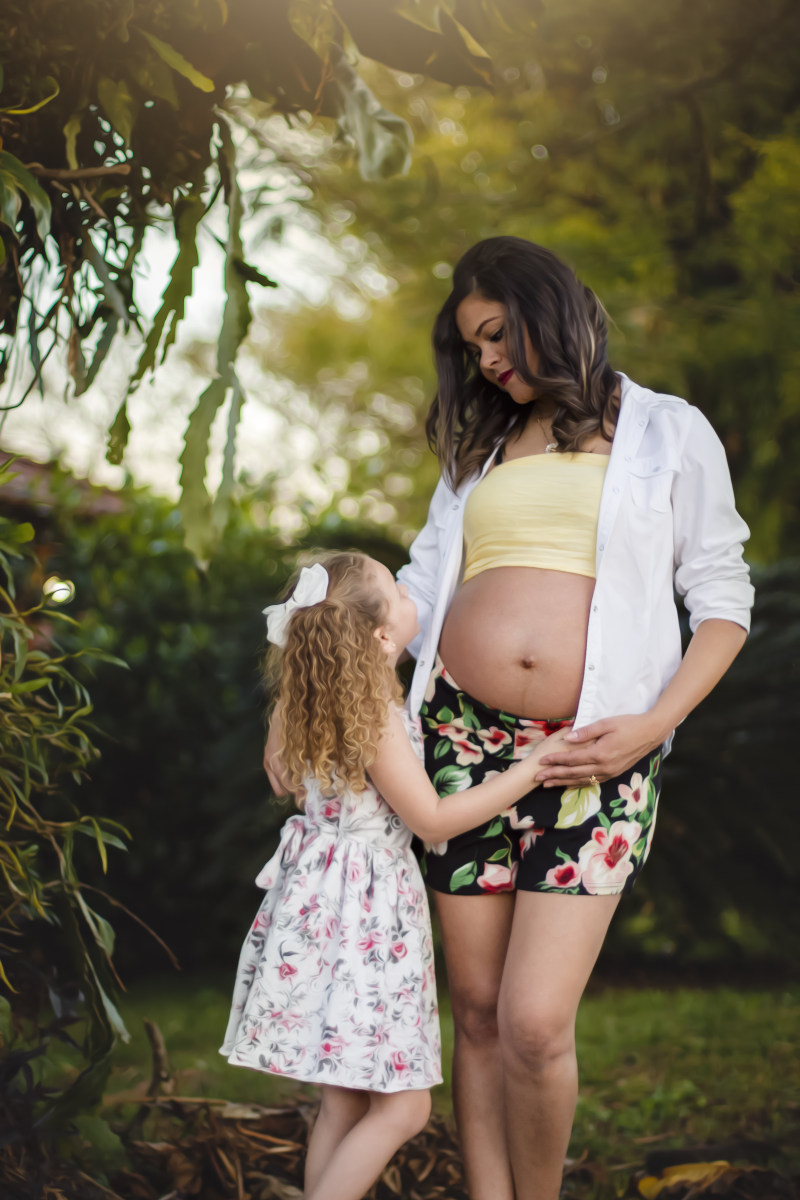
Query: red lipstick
x=504, y=378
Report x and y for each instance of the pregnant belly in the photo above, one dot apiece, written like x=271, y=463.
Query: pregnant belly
x=515, y=638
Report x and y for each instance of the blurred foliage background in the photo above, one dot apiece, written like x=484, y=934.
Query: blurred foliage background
x=656, y=148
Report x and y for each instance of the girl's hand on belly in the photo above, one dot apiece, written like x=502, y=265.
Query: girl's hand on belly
x=601, y=750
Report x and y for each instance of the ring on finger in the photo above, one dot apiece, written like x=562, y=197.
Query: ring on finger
x=593, y=780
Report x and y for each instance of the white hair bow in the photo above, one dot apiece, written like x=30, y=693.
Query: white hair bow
x=312, y=586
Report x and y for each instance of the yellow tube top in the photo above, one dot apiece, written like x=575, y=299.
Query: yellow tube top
x=537, y=511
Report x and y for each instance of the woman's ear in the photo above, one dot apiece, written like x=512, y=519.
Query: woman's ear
x=387, y=645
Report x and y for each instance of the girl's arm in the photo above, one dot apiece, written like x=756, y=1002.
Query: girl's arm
x=272, y=762
x=400, y=778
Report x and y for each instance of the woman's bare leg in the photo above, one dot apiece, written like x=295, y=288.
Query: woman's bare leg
x=475, y=933
x=554, y=943
x=364, y=1151
x=339, y=1110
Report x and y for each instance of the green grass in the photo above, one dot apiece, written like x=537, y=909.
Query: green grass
x=658, y=1068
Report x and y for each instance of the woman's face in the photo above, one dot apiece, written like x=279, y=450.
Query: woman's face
x=482, y=325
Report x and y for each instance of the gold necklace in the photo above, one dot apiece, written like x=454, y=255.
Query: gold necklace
x=549, y=446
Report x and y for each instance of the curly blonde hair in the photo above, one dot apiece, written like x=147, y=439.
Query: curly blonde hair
x=334, y=682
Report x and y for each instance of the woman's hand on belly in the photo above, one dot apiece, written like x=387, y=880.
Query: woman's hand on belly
x=601, y=750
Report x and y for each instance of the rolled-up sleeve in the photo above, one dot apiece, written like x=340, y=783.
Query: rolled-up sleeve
x=710, y=571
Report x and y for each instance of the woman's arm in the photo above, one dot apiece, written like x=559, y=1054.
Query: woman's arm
x=713, y=578
x=400, y=778
x=608, y=747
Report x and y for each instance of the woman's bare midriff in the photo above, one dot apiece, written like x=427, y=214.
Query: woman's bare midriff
x=515, y=638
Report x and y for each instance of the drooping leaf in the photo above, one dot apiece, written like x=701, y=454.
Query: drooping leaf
x=173, y=58
x=382, y=139
x=225, y=490
x=188, y=213
x=202, y=520
x=13, y=174
x=32, y=108
x=71, y=131
x=118, y=103
x=118, y=435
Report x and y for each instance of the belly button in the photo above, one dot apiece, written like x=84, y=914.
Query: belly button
x=528, y=663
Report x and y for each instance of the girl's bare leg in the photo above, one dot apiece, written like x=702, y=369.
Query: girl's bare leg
x=339, y=1111
x=364, y=1151
x=555, y=940
x=475, y=933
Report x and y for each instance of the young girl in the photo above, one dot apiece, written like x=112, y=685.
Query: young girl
x=335, y=982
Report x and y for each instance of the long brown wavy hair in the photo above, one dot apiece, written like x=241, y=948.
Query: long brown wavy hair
x=566, y=324
x=334, y=684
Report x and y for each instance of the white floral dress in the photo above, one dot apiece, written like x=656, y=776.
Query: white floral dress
x=336, y=981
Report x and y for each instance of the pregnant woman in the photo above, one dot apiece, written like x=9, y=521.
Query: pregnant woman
x=572, y=504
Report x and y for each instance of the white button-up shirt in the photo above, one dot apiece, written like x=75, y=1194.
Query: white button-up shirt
x=667, y=523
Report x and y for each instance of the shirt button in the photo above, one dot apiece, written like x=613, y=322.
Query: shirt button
x=627, y=458
x=601, y=547
x=595, y=608
x=615, y=489
x=641, y=422
x=591, y=667
x=455, y=506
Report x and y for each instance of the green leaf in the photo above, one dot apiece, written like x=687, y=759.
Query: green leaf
x=118, y=103
x=203, y=522
x=10, y=204
x=577, y=805
x=71, y=131
x=118, y=434
x=156, y=79
x=188, y=212
x=382, y=139
x=173, y=58
x=445, y=716
x=498, y=854
x=14, y=174
x=225, y=490
x=450, y=779
x=494, y=829
x=54, y=91
x=463, y=876
x=442, y=747
x=251, y=275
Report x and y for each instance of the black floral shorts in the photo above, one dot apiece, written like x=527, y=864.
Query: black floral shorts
x=582, y=840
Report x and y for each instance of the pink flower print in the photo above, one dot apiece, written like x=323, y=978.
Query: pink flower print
x=493, y=738
x=525, y=738
x=467, y=753
x=399, y=949
x=331, y=808
x=263, y=920
x=332, y=1048
x=636, y=795
x=329, y=855
x=285, y=970
x=566, y=875
x=354, y=871
x=497, y=878
x=528, y=838
x=512, y=815
x=331, y=928
x=400, y=1061
x=606, y=858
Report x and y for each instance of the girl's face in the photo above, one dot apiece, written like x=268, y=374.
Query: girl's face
x=400, y=625
x=482, y=325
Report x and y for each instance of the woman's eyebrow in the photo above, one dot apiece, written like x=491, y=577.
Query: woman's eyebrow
x=468, y=341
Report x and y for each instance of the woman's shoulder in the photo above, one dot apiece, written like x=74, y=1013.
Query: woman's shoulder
x=670, y=418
